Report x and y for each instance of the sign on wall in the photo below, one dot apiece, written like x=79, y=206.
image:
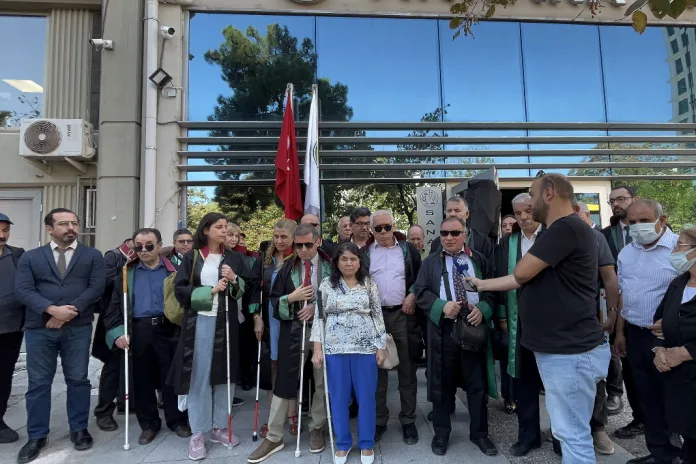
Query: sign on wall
x=429, y=212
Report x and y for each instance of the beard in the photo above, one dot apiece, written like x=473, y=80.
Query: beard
x=539, y=211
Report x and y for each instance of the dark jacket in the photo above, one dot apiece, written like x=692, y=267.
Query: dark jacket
x=609, y=233
x=11, y=310
x=290, y=340
x=679, y=329
x=427, y=290
x=505, y=308
x=476, y=241
x=38, y=284
x=113, y=316
x=196, y=297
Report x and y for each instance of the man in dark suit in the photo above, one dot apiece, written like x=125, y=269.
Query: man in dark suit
x=58, y=284
x=11, y=322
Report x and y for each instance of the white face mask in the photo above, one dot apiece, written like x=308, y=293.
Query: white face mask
x=680, y=262
x=645, y=233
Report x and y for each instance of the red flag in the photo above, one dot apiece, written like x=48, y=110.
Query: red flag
x=287, y=185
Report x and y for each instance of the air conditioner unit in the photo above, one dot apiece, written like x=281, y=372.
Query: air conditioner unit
x=48, y=139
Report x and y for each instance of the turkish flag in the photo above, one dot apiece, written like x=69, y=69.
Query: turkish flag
x=287, y=185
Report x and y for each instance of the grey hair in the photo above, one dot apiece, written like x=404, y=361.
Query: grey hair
x=306, y=229
x=456, y=219
x=381, y=212
x=415, y=225
x=656, y=206
x=583, y=207
x=521, y=198
x=458, y=199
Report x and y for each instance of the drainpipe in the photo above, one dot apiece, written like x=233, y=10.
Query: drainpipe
x=148, y=195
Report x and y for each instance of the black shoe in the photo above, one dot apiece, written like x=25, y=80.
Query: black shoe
x=107, y=424
x=183, y=431
x=632, y=430
x=439, y=445
x=147, y=437
x=520, y=449
x=649, y=459
x=246, y=386
x=237, y=402
x=410, y=434
x=7, y=435
x=557, y=447
x=31, y=450
x=379, y=431
x=82, y=440
x=353, y=410
x=510, y=407
x=486, y=446
x=614, y=405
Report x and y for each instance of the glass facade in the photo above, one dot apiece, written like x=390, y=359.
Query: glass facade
x=22, y=54
x=409, y=70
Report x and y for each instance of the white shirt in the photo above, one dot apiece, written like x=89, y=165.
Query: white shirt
x=388, y=270
x=449, y=262
x=689, y=294
x=210, y=277
x=69, y=252
x=526, y=243
x=644, y=275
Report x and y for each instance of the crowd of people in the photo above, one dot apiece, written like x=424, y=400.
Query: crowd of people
x=580, y=313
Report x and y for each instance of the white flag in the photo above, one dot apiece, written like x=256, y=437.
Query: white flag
x=312, y=203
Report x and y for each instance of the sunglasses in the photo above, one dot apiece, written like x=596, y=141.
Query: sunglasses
x=453, y=233
x=184, y=242
x=308, y=246
x=140, y=248
x=386, y=228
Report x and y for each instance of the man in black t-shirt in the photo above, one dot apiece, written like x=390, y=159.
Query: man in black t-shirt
x=557, y=304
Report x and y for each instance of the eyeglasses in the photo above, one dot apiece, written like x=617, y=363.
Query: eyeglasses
x=308, y=245
x=617, y=200
x=685, y=245
x=184, y=242
x=68, y=223
x=140, y=248
x=362, y=224
x=453, y=233
x=386, y=228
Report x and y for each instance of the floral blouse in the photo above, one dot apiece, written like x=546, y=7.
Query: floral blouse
x=354, y=322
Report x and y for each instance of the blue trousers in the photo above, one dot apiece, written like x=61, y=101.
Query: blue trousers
x=43, y=347
x=358, y=372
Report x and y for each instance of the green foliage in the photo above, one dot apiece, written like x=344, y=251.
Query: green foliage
x=4, y=117
x=260, y=226
x=198, y=204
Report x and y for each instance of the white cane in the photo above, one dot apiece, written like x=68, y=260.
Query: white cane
x=302, y=358
x=320, y=309
x=126, y=444
x=229, y=385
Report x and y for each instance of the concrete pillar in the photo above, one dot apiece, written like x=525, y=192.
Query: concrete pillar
x=118, y=171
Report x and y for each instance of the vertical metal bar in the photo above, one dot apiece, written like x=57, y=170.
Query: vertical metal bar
x=524, y=94
x=604, y=87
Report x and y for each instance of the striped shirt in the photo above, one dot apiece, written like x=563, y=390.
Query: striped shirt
x=644, y=275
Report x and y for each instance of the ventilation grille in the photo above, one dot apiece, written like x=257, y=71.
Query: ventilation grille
x=42, y=137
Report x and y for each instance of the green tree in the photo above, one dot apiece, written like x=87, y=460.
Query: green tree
x=259, y=227
x=4, y=117
x=678, y=197
x=198, y=204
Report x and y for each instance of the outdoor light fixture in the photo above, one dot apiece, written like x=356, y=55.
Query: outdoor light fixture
x=160, y=78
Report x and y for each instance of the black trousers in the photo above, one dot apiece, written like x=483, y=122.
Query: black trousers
x=600, y=413
x=615, y=385
x=470, y=367
x=150, y=342
x=688, y=451
x=639, y=344
x=527, y=389
x=111, y=382
x=10, y=344
x=619, y=377
x=507, y=387
x=248, y=351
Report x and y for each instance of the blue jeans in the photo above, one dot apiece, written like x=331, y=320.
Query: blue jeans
x=347, y=372
x=207, y=405
x=72, y=343
x=571, y=381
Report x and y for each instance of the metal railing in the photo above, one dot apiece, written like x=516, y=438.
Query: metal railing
x=250, y=156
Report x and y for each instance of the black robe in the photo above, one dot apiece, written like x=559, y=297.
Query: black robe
x=113, y=264
x=290, y=340
x=679, y=329
x=182, y=365
x=427, y=290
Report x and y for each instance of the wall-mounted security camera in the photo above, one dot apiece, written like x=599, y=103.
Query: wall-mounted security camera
x=102, y=44
x=167, y=32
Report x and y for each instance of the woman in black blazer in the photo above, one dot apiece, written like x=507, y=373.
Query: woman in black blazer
x=675, y=344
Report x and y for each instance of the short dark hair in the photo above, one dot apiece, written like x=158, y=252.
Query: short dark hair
x=560, y=184
x=629, y=188
x=199, y=238
x=306, y=229
x=127, y=240
x=458, y=199
x=457, y=220
x=336, y=275
x=358, y=213
x=148, y=230
x=178, y=232
x=49, y=220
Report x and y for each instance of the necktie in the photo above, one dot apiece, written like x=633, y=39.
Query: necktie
x=629, y=239
x=61, y=261
x=459, y=271
x=307, y=273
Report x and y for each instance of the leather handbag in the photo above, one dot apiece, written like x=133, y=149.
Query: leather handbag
x=392, y=356
x=468, y=337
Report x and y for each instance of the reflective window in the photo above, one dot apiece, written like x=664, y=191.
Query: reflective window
x=683, y=106
x=670, y=30
x=685, y=39
x=679, y=67
x=22, y=54
x=681, y=86
x=675, y=46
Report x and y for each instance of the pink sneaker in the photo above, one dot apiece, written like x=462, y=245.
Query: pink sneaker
x=197, y=447
x=221, y=436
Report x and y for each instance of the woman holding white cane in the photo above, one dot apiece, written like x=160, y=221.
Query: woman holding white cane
x=209, y=281
x=354, y=346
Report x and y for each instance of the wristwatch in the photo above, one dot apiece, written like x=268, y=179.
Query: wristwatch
x=613, y=310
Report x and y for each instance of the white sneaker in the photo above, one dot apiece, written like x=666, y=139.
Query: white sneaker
x=341, y=459
x=367, y=459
